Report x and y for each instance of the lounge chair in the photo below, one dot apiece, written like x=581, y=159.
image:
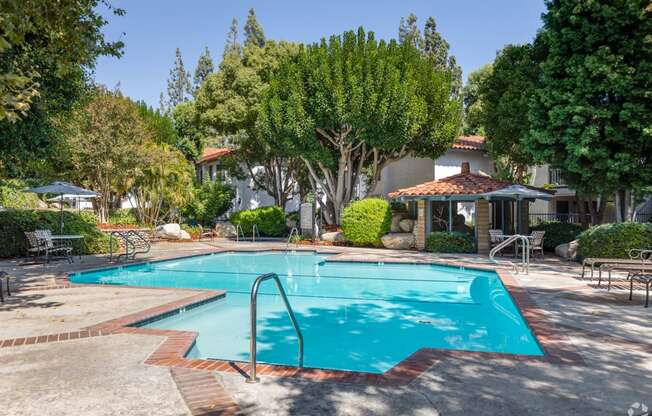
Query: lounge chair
x=45, y=241
x=631, y=269
x=536, y=243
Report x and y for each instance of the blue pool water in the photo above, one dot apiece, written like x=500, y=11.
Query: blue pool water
x=354, y=316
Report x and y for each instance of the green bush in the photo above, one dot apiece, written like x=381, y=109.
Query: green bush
x=12, y=195
x=193, y=230
x=123, y=216
x=270, y=221
x=614, y=240
x=365, y=221
x=557, y=233
x=450, y=242
x=211, y=200
x=14, y=222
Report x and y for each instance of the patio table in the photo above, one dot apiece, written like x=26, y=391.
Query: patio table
x=68, y=239
x=503, y=237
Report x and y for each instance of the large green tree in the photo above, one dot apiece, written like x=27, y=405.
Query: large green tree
x=591, y=114
x=104, y=146
x=228, y=104
x=254, y=34
x=179, y=87
x=351, y=105
x=504, y=94
x=46, y=56
x=473, y=103
x=204, y=67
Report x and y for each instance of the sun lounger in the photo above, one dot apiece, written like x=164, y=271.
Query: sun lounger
x=635, y=257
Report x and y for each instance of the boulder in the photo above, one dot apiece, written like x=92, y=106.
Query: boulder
x=406, y=225
x=334, y=237
x=396, y=220
x=168, y=231
x=224, y=230
x=184, y=235
x=398, y=241
x=567, y=250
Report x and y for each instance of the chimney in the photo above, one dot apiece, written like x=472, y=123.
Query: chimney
x=465, y=167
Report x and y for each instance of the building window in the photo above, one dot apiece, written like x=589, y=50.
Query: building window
x=210, y=173
x=555, y=177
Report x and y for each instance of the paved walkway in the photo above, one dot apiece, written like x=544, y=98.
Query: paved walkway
x=107, y=374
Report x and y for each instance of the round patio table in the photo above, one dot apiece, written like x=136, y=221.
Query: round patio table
x=68, y=240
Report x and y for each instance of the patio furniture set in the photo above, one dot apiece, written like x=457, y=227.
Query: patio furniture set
x=535, y=238
x=44, y=245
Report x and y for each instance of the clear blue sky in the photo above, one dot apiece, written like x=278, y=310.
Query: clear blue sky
x=475, y=29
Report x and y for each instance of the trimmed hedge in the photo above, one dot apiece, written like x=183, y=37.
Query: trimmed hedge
x=557, y=233
x=365, y=221
x=14, y=222
x=270, y=221
x=450, y=242
x=614, y=240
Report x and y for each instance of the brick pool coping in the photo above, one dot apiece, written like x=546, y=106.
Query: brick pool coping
x=556, y=345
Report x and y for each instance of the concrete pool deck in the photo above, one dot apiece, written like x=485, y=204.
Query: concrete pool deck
x=89, y=375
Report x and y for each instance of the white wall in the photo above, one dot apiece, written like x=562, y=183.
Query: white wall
x=411, y=171
x=246, y=197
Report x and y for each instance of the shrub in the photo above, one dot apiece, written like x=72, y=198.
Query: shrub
x=557, y=233
x=365, y=221
x=12, y=195
x=614, y=240
x=123, y=216
x=211, y=200
x=450, y=242
x=13, y=224
x=193, y=230
x=270, y=221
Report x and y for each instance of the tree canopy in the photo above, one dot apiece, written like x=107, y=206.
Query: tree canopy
x=591, y=113
x=504, y=94
x=352, y=104
x=473, y=104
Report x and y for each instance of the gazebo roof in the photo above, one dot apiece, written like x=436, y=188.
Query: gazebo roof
x=463, y=186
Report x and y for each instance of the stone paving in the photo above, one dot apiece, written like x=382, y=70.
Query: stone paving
x=108, y=374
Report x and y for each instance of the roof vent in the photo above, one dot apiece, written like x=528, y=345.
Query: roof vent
x=465, y=167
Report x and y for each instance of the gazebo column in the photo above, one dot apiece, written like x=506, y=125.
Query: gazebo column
x=420, y=229
x=524, y=217
x=482, y=225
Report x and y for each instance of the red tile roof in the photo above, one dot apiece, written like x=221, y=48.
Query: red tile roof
x=213, y=153
x=460, y=184
x=469, y=143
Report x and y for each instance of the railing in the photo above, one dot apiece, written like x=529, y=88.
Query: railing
x=253, y=312
x=538, y=218
x=293, y=232
x=513, y=239
x=128, y=238
x=254, y=232
x=237, y=235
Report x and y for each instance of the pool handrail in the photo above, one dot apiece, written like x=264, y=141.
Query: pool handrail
x=525, y=252
x=253, y=312
x=293, y=232
x=254, y=232
x=237, y=236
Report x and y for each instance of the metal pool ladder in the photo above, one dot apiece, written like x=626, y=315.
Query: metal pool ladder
x=252, y=344
x=525, y=256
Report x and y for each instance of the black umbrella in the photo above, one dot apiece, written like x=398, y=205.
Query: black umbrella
x=61, y=189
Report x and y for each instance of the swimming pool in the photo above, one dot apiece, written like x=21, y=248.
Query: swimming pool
x=353, y=316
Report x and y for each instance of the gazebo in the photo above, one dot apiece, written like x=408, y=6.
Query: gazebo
x=497, y=204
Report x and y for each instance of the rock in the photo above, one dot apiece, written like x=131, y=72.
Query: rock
x=406, y=225
x=567, y=250
x=396, y=220
x=183, y=235
x=169, y=231
x=398, y=241
x=224, y=230
x=334, y=237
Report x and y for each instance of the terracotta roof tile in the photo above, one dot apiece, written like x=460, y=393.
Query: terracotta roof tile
x=213, y=153
x=460, y=184
x=469, y=143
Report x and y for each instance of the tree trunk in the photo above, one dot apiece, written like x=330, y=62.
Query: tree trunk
x=581, y=201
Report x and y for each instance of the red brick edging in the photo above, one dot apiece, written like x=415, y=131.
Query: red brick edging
x=202, y=393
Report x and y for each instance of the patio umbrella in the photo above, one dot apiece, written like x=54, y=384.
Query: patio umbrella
x=61, y=189
x=519, y=193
